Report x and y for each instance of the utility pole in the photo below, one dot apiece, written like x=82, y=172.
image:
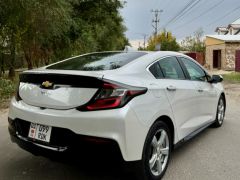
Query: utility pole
x=156, y=20
x=144, y=40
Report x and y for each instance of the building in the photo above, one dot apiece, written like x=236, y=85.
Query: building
x=221, y=30
x=223, y=52
x=231, y=29
x=197, y=56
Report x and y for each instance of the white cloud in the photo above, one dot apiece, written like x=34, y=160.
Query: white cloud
x=137, y=42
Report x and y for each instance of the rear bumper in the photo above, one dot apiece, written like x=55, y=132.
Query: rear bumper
x=118, y=125
x=74, y=146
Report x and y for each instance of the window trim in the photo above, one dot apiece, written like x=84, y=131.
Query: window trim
x=157, y=61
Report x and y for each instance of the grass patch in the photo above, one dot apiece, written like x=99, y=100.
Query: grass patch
x=7, y=90
x=232, y=77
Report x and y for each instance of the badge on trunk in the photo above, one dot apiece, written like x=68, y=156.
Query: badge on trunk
x=47, y=85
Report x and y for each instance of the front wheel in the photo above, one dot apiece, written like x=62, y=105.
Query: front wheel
x=156, y=152
x=220, y=112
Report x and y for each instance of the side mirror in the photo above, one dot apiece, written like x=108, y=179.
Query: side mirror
x=216, y=79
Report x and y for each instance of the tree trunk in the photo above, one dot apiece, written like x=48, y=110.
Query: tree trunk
x=29, y=61
x=2, y=72
x=11, y=73
x=28, y=58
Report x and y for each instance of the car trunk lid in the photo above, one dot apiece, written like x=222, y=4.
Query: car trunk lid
x=57, y=90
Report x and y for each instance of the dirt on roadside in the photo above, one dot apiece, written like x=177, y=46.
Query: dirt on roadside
x=232, y=91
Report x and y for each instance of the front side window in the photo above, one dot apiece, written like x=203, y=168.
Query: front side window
x=98, y=61
x=171, y=68
x=195, y=72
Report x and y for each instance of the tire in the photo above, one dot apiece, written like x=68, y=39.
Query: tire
x=156, y=153
x=221, y=107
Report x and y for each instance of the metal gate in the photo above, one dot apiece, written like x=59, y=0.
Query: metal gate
x=237, y=63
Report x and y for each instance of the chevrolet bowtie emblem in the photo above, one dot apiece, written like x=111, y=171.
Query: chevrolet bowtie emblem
x=47, y=84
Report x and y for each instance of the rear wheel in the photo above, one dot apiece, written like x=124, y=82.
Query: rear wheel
x=220, y=112
x=156, y=152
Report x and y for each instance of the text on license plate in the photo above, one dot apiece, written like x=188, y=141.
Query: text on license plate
x=40, y=132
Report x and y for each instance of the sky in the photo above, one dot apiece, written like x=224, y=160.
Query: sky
x=205, y=14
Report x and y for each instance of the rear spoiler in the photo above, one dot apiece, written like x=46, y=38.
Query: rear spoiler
x=63, y=79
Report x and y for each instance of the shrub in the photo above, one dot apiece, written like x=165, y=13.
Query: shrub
x=7, y=89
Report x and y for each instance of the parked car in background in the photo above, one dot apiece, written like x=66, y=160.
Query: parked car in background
x=145, y=102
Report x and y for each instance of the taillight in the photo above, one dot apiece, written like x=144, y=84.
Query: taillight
x=113, y=95
x=17, y=96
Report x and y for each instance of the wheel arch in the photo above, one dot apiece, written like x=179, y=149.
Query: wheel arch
x=168, y=121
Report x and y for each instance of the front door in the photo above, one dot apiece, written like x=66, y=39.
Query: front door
x=237, y=63
x=181, y=94
x=206, y=93
x=217, y=59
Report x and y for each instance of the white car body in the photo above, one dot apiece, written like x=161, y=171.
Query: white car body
x=190, y=105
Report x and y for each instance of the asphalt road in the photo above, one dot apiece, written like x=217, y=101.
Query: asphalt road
x=213, y=154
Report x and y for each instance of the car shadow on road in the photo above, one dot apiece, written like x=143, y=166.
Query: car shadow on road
x=86, y=164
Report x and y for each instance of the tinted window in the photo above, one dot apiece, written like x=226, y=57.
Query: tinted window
x=195, y=72
x=171, y=68
x=98, y=61
x=156, y=70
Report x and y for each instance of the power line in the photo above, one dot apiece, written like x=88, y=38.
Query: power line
x=180, y=12
x=225, y=15
x=203, y=13
x=188, y=10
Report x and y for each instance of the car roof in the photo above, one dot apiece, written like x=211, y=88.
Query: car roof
x=136, y=66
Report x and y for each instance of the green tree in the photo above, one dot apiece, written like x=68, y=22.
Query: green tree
x=45, y=31
x=99, y=26
x=194, y=43
x=11, y=13
x=166, y=40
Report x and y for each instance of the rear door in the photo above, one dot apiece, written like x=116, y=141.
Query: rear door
x=180, y=92
x=206, y=93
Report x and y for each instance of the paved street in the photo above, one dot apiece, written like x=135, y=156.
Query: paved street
x=214, y=154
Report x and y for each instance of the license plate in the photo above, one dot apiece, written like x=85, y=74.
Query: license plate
x=40, y=132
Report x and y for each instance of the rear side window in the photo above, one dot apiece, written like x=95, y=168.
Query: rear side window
x=171, y=68
x=156, y=71
x=98, y=61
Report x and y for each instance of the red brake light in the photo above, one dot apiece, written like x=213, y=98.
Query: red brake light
x=17, y=96
x=104, y=103
x=112, y=95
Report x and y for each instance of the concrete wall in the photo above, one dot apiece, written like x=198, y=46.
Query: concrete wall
x=228, y=53
x=231, y=55
x=209, y=55
x=212, y=41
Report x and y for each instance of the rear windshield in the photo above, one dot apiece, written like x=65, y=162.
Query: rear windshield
x=98, y=61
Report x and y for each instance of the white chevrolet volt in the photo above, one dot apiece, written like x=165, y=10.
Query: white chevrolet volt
x=145, y=102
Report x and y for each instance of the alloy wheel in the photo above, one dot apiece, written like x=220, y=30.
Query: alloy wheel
x=159, y=152
x=221, y=111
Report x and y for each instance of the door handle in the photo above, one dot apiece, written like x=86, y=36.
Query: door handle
x=171, y=88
